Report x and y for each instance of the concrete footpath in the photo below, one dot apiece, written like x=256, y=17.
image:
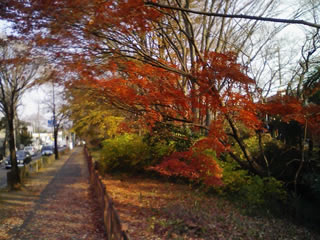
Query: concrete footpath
x=55, y=203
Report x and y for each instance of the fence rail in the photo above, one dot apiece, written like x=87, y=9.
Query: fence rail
x=35, y=166
x=113, y=226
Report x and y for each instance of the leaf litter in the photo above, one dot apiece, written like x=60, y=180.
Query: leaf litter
x=152, y=209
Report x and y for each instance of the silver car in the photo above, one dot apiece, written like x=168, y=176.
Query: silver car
x=31, y=150
x=47, y=150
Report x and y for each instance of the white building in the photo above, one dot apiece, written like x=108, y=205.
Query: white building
x=47, y=138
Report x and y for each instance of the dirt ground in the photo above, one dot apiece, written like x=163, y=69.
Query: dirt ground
x=153, y=209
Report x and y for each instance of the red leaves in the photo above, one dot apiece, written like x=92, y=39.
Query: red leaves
x=242, y=109
x=126, y=15
x=289, y=108
x=221, y=68
x=216, y=139
x=150, y=92
x=192, y=165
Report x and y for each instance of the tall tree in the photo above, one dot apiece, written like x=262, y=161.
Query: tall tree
x=18, y=73
x=160, y=64
x=55, y=105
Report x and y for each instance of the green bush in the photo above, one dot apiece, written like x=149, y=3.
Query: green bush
x=178, y=138
x=252, y=189
x=129, y=153
x=262, y=191
x=280, y=157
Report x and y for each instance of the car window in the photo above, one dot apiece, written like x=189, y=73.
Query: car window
x=21, y=153
x=47, y=148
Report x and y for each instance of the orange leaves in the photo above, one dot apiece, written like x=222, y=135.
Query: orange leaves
x=287, y=107
x=242, y=109
x=224, y=88
x=215, y=140
x=222, y=69
x=126, y=15
x=150, y=92
x=192, y=165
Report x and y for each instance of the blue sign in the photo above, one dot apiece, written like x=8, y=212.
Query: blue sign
x=50, y=123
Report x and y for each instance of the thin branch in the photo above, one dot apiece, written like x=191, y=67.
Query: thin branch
x=240, y=16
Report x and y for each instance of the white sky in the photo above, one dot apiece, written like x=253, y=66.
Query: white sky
x=31, y=101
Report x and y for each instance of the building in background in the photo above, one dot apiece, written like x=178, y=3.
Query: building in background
x=40, y=139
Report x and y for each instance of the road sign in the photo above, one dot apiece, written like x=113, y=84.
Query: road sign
x=50, y=123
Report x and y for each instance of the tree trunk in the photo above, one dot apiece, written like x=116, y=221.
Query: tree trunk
x=302, y=160
x=4, y=144
x=14, y=180
x=55, y=135
x=249, y=162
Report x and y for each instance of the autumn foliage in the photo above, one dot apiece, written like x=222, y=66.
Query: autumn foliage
x=148, y=64
x=158, y=95
x=289, y=108
x=192, y=165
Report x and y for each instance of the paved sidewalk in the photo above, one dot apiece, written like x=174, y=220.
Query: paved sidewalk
x=56, y=204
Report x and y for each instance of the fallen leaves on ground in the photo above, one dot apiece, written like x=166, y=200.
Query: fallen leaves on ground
x=54, y=204
x=153, y=209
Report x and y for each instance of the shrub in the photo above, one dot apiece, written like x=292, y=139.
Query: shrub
x=179, y=138
x=283, y=160
x=129, y=153
x=252, y=189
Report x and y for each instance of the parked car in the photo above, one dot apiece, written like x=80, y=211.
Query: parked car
x=23, y=157
x=47, y=150
x=30, y=149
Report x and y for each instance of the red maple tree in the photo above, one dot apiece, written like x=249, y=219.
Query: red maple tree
x=116, y=49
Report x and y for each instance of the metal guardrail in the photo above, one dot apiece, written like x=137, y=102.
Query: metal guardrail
x=113, y=226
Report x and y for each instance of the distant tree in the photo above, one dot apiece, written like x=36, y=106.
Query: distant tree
x=92, y=121
x=55, y=105
x=18, y=73
x=24, y=136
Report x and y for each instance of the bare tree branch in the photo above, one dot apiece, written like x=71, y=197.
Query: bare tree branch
x=240, y=16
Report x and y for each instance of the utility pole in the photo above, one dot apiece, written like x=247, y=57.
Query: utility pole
x=38, y=125
x=55, y=130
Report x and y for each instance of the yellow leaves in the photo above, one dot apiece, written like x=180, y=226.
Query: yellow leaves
x=91, y=117
x=105, y=124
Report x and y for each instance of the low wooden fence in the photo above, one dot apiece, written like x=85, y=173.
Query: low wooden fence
x=114, y=229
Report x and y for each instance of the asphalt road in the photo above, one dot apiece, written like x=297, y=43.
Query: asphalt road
x=3, y=171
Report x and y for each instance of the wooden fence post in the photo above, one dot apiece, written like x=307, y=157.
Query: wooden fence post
x=111, y=218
